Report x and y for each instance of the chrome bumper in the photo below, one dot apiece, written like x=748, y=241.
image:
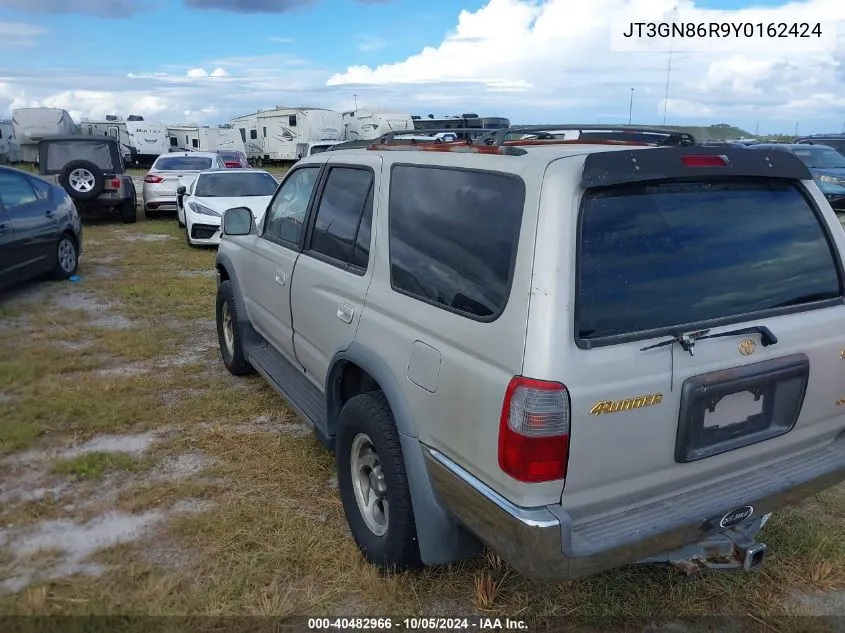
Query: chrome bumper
x=545, y=544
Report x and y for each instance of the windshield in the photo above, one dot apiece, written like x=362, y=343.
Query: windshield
x=821, y=158
x=235, y=185
x=60, y=154
x=225, y=155
x=660, y=256
x=182, y=163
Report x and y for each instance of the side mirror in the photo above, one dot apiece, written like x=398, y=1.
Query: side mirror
x=181, y=189
x=238, y=221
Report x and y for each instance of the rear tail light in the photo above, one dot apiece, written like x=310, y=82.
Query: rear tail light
x=115, y=183
x=534, y=430
x=153, y=179
x=705, y=161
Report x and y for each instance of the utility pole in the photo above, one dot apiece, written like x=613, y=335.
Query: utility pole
x=630, y=106
x=796, y=128
x=356, y=101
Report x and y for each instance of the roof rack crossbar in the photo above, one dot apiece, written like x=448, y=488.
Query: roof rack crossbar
x=670, y=136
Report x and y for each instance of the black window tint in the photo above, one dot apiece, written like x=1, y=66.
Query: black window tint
x=664, y=255
x=361, y=254
x=453, y=236
x=253, y=134
x=60, y=153
x=174, y=142
x=15, y=190
x=339, y=212
x=292, y=120
x=42, y=189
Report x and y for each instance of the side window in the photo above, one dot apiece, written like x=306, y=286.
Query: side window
x=174, y=141
x=195, y=142
x=42, y=189
x=286, y=214
x=253, y=134
x=453, y=235
x=292, y=120
x=343, y=201
x=264, y=132
x=361, y=254
x=15, y=190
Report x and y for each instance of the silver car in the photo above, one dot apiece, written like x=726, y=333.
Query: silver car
x=168, y=172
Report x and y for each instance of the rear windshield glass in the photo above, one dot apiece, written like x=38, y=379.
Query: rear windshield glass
x=838, y=145
x=182, y=163
x=60, y=154
x=656, y=256
x=235, y=185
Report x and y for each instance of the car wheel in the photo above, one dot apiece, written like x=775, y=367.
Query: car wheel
x=374, y=485
x=128, y=211
x=82, y=180
x=229, y=333
x=67, y=257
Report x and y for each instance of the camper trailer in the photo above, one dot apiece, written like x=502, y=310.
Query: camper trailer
x=193, y=138
x=114, y=127
x=30, y=125
x=282, y=130
x=247, y=128
x=464, y=121
x=370, y=124
x=10, y=152
x=148, y=139
x=229, y=138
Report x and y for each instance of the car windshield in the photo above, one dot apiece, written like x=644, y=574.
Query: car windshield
x=60, y=154
x=232, y=156
x=182, y=163
x=235, y=185
x=821, y=158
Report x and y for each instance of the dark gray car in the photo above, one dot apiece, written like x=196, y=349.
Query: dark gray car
x=40, y=229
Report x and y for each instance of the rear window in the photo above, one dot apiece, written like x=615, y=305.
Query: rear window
x=60, y=154
x=658, y=256
x=182, y=163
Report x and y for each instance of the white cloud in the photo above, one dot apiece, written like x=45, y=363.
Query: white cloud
x=15, y=34
x=370, y=43
x=280, y=40
x=530, y=60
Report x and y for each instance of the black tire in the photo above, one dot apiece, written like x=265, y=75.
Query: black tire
x=234, y=360
x=128, y=211
x=99, y=179
x=397, y=548
x=67, y=257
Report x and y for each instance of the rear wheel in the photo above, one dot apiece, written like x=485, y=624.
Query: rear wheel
x=229, y=333
x=374, y=484
x=67, y=257
x=128, y=212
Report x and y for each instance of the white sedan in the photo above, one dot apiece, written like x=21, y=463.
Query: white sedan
x=215, y=190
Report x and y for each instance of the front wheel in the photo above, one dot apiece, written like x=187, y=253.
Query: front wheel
x=229, y=333
x=67, y=258
x=374, y=484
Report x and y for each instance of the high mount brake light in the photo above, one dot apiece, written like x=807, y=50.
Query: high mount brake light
x=707, y=160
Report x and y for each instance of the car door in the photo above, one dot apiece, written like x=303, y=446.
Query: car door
x=332, y=274
x=274, y=254
x=8, y=248
x=32, y=220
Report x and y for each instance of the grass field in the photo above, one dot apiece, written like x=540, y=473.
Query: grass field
x=139, y=477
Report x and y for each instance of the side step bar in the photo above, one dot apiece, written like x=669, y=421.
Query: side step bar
x=300, y=393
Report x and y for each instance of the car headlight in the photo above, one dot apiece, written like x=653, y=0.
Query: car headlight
x=203, y=210
x=832, y=180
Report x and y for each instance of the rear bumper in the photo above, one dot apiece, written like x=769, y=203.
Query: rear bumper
x=545, y=544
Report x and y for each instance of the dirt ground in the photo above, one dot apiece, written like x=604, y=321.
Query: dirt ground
x=137, y=476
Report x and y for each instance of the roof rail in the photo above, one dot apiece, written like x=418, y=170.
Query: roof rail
x=670, y=137
x=393, y=141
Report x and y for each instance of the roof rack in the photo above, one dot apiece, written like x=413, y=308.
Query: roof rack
x=394, y=135
x=544, y=133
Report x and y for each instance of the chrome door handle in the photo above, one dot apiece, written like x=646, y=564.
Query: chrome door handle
x=281, y=277
x=345, y=312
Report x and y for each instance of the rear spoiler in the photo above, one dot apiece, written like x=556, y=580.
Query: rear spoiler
x=605, y=169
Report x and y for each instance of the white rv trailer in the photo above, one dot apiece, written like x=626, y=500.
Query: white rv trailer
x=370, y=124
x=10, y=151
x=247, y=127
x=149, y=140
x=184, y=138
x=30, y=125
x=282, y=130
x=116, y=129
x=230, y=138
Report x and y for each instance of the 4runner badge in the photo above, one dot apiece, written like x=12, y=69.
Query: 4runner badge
x=609, y=406
x=747, y=347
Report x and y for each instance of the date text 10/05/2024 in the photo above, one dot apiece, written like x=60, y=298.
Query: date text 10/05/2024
x=799, y=30
x=416, y=624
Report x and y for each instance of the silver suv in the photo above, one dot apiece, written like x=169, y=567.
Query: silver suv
x=582, y=353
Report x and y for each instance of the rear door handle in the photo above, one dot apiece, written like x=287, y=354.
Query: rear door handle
x=49, y=213
x=345, y=312
x=281, y=277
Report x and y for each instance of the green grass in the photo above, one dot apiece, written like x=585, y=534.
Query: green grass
x=94, y=465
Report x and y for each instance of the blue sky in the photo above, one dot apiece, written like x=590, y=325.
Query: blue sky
x=528, y=60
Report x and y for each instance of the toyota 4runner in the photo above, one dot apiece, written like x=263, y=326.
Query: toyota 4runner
x=90, y=169
x=580, y=353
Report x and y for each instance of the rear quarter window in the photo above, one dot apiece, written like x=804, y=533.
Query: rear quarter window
x=654, y=257
x=453, y=235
